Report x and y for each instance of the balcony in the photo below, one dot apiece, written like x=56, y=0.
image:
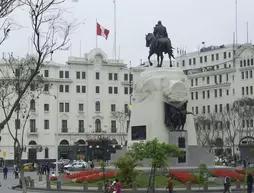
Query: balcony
x=33, y=133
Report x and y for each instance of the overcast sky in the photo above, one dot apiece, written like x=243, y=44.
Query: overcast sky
x=189, y=23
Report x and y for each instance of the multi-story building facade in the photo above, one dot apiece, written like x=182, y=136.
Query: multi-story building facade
x=77, y=105
x=218, y=76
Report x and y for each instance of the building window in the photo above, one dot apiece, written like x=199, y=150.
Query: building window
x=242, y=90
x=17, y=124
x=61, y=88
x=203, y=94
x=220, y=78
x=208, y=94
x=66, y=88
x=115, y=76
x=190, y=61
x=217, y=56
x=196, y=81
x=197, y=95
x=126, y=108
x=227, y=92
x=32, y=105
x=220, y=92
x=61, y=107
x=221, y=108
x=113, y=107
x=247, y=90
x=46, y=107
x=125, y=77
x=192, y=95
x=229, y=54
x=215, y=79
x=225, y=55
x=64, y=126
x=97, y=89
x=46, y=87
x=192, y=82
x=46, y=124
x=246, y=74
x=208, y=108
x=97, y=106
x=97, y=125
x=60, y=74
x=110, y=90
x=110, y=76
x=181, y=142
x=125, y=90
x=250, y=73
x=194, y=61
x=32, y=125
x=66, y=74
x=115, y=90
x=215, y=93
x=227, y=107
x=83, y=75
x=46, y=155
x=205, y=58
x=64, y=107
x=203, y=109
x=183, y=62
x=78, y=89
x=113, y=126
x=81, y=128
x=77, y=75
x=83, y=89
x=67, y=107
x=196, y=110
x=46, y=73
x=251, y=90
x=201, y=59
x=97, y=76
x=81, y=107
x=182, y=158
x=215, y=108
x=208, y=80
x=212, y=57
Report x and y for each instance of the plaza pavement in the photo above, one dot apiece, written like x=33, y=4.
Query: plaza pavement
x=40, y=187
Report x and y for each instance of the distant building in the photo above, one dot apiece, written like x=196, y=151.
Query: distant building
x=217, y=76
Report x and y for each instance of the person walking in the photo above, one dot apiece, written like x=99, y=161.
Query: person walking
x=170, y=185
x=249, y=183
x=5, y=171
x=227, y=185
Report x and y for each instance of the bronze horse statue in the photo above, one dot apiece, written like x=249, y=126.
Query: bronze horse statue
x=158, y=46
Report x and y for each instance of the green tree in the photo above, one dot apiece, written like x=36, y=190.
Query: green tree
x=126, y=165
x=158, y=153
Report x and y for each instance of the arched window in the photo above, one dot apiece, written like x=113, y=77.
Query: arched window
x=32, y=105
x=181, y=142
x=97, y=106
x=64, y=142
x=32, y=143
x=81, y=142
x=97, y=125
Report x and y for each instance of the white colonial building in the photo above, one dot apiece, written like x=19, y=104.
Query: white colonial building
x=219, y=75
x=75, y=106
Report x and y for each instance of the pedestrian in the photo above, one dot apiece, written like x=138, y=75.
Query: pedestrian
x=5, y=171
x=249, y=183
x=170, y=185
x=227, y=185
x=16, y=171
x=118, y=186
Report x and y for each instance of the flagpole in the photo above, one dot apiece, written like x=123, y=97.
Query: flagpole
x=236, y=17
x=114, y=1
x=96, y=40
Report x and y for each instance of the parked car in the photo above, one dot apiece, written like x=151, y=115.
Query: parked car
x=28, y=167
x=76, y=165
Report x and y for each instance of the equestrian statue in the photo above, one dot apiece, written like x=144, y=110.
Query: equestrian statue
x=158, y=42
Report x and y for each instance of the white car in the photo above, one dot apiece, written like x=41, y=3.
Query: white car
x=76, y=164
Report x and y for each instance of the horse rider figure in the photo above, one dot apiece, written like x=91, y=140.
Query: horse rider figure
x=160, y=31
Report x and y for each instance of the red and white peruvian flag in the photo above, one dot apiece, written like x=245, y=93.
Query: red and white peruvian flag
x=101, y=31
